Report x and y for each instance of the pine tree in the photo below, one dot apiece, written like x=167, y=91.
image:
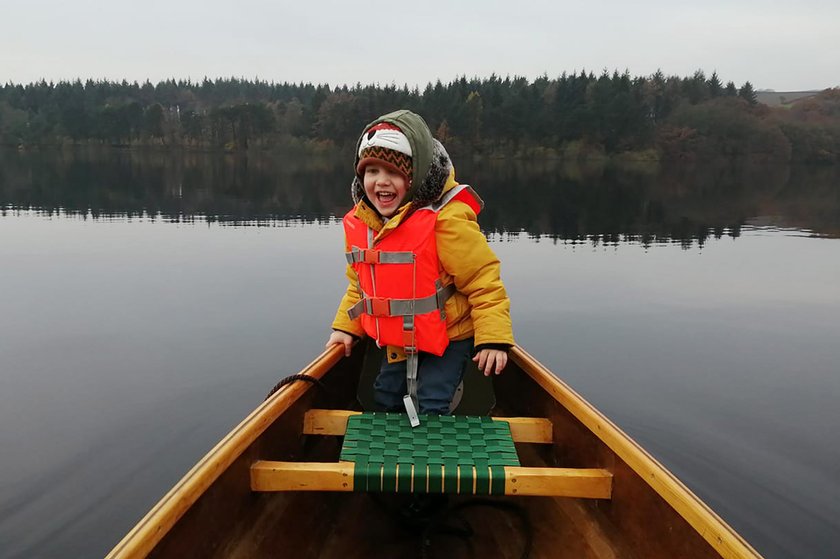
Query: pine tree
x=715, y=86
x=748, y=93
x=474, y=108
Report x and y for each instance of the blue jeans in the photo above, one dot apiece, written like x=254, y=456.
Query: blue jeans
x=437, y=379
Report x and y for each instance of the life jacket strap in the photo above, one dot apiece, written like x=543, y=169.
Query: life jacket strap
x=371, y=256
x=383, y=306
x=411, y=366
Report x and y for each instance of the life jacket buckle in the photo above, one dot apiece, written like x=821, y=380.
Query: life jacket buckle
x=370, y=256
x=378, y=306
x=408, y=342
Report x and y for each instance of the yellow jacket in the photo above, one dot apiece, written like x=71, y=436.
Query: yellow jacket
x=480, y=308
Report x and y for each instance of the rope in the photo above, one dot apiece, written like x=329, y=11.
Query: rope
x=293, y=378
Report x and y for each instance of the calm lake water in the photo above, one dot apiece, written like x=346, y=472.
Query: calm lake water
x=150, y=301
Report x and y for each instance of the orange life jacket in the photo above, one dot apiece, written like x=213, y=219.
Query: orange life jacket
x=399, y=278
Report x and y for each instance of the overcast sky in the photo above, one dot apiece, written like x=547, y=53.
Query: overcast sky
x=776, y=45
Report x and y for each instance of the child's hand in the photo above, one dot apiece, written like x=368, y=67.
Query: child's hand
x=491, y=360
x=343, y=338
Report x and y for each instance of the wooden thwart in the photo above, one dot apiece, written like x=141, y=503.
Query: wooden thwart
x=587, y=483
x=522, y=429
x=338, y=476
x=301, y=476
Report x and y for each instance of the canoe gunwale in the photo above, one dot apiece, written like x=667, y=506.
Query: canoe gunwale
x=726, y=541
x=151, y=529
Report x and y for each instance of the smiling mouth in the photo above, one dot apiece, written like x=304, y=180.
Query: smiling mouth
x=386, y=197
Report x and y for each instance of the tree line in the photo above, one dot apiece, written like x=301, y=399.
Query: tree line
x=578, y=115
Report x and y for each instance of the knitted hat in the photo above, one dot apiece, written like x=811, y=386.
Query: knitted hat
x=385, y=144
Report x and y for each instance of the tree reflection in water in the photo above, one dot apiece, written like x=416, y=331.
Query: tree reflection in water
x=593, y=202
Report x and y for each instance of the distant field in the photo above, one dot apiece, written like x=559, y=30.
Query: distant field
x=783, y=98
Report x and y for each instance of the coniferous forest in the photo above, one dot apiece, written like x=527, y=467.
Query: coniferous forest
x=576, y=116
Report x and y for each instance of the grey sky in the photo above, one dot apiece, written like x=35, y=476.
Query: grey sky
x=779, y=45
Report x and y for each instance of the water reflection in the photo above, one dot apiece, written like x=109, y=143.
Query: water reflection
x=593, y=203
x=142, y=344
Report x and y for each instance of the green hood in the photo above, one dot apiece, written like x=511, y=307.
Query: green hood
x=419, y=138
x=429, y=160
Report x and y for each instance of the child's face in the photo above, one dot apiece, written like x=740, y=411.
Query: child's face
x=385, y=188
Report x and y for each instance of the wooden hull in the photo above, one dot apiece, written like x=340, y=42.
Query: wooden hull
x=212, y=511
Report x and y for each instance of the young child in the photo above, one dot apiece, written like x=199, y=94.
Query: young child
x=423, y=280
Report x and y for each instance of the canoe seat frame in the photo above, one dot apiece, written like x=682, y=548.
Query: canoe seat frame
x=593, y=483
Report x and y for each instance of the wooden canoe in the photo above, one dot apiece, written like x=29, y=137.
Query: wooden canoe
x=215, y=512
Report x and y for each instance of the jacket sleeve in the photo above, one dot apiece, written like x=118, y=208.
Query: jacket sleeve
x=351, y=297
x=465, y=255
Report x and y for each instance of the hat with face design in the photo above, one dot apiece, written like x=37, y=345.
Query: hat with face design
x=385, y=144
x=430, y=165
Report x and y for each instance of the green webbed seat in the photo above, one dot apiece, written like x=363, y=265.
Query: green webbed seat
x=445, y=454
